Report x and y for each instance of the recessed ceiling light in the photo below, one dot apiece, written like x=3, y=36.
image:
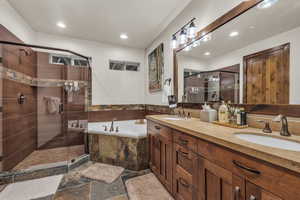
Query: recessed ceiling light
x=207, y=53
x=124, y=36
x=266, y=4
x=252, y=27
x=61, y=25
x=234, y=34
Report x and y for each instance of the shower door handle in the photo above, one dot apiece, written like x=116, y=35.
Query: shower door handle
x=61, y=108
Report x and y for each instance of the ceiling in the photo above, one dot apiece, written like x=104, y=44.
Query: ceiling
x=102, y=20
x=253, y=26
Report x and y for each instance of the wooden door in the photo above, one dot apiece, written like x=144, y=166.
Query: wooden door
x=215, y=183
x=266, y=76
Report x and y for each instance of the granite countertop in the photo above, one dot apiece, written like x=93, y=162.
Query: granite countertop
x=225, y=136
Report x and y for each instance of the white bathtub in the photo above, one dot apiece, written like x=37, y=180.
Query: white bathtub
x=126, y=129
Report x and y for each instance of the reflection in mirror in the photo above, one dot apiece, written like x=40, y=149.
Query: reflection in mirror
x=253, y=59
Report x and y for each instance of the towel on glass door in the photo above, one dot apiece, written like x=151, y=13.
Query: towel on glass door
x=52, y=104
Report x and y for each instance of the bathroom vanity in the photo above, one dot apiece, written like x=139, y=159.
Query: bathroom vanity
x=196, y=160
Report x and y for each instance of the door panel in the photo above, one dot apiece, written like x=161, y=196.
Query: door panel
x=266, y=76
x=215, y=182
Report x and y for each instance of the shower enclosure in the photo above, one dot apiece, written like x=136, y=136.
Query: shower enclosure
x=45, y=93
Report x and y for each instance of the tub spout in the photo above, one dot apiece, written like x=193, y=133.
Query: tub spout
x=112, y=125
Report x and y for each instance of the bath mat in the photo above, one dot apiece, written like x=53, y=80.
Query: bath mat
x=102, y=172
x=32, y=189
x=146, y=187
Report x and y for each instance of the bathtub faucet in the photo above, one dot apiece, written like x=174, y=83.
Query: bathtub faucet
x=112, y=125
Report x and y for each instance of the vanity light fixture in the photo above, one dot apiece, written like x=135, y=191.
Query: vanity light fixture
x=61, y=25
x=124, y=36
x=234, y=34
x=266, y=4
x=207, y=53
x=192, y=30
x=186, y=33
x=174, y=42
x=183, y=36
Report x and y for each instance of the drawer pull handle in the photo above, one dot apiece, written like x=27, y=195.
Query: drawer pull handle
x=184, y=183
x=236, y=163
x=183, y=142
x=157, y=127
x=252, y=197
x=237, y=193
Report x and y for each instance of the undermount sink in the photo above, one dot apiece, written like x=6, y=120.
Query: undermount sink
x=269, y=141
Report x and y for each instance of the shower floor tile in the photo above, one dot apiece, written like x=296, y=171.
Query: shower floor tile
x=48, y=156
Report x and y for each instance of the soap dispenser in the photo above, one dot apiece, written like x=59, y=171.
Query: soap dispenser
x=223, y=113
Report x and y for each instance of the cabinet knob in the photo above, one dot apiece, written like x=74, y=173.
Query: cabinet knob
x=252, y=197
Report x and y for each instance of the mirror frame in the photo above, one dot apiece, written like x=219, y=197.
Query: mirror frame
x=266, y=109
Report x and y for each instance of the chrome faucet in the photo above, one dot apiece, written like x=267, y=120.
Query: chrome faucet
x=112, y=125
x=284, y=125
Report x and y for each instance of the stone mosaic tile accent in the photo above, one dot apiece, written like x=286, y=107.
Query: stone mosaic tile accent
x=147, y=107
x=117, y=107
x=13, y=75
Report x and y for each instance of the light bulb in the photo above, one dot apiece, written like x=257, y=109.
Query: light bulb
x=183, y=38
x=192, y=30
x=174, y=42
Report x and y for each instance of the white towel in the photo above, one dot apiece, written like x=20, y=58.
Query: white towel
x=167, y=91
x=52, y=104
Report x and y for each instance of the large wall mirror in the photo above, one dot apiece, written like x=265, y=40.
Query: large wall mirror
x=252, y=59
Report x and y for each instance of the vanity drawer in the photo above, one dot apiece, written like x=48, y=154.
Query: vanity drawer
x=185, y=140
x=185, y=159
x=183, y=188
x=263, y=174
x=159, y=129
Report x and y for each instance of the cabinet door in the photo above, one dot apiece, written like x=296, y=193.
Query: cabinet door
x=155, y=155
x=215, y=182
x=185, y=173
x=161, y=158
x=166, y=162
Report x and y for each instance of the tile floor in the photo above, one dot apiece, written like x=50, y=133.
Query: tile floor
x=48, y=156
x=75, y=185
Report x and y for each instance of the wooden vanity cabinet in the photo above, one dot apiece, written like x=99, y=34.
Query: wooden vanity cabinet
x=160, y=138
x=194, y=169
